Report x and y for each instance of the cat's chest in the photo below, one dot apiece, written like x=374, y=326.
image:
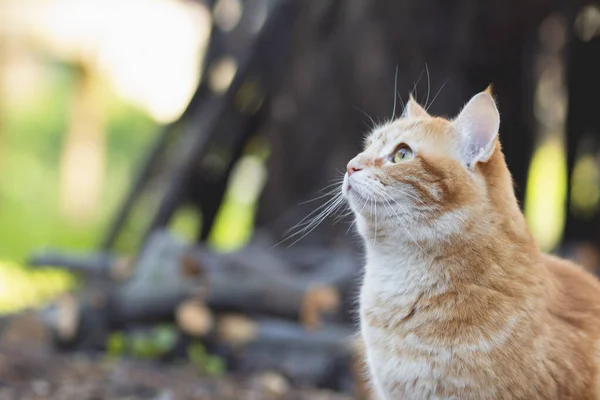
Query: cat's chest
x=405, y=365
x=402, y=364
x=401, y=340
x=406, y=353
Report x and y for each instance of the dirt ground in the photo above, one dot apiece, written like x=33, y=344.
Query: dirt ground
x=30, y=369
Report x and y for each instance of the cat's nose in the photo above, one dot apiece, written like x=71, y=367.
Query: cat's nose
x=353, y=167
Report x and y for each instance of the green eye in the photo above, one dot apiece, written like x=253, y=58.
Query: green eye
x=402, y=154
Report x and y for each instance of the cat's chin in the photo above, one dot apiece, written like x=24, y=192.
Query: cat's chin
x=346, y=187
x=357, y=199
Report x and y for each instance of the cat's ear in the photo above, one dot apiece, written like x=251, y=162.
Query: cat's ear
x=478, y=125
x=414, y=109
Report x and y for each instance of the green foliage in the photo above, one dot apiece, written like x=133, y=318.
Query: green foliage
x=156, y=342
x=32, y=135
x=186, y=222
x=150, y=344
x=546, y=194
x=115, y=346
x=31, y=142
x=206, y=363
x=22, y=288
x=234, y=223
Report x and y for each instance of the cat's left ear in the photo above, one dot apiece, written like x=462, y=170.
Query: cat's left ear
x=478, y=125
x=414, y=110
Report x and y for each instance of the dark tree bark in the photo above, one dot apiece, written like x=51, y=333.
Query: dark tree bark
x=583, y=126
x=344, y=57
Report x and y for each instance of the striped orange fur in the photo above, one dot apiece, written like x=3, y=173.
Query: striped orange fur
x=457, y=301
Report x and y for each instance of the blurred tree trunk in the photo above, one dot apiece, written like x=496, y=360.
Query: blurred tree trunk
x=3, y=94
x=83, y=157
x=344, y=58
x=583, y=139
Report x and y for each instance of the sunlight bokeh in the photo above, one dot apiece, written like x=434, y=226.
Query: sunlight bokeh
x=83, y=87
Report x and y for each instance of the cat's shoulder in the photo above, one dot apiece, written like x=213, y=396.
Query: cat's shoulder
x=572, y=275
x=573, y=292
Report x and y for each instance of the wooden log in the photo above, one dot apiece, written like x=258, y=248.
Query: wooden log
x=239, y=330
x=318, y=300
x=157, y=286
x=78, y=321
x=194, y=318
x=153, y=293
x=260, y=280
x=305, y=357
x=97, y=264
x=171, y=282
x=67, y=317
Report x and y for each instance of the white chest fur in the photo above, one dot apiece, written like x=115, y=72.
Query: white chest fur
x=402, y=364
x=394, y=374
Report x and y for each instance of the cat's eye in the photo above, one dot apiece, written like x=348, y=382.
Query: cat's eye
x=403, y=153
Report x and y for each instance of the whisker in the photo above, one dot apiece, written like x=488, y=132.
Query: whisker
x=395, y=90
x=363, y=207
x=416, y=83
x=343, y=215
x=428, y=85
x=335, y=183
x=309, y=224
x=331, y=191
x=410, y=195
x=436, y=95
x=351, y=225
x=330, y=206
x=315, y=211
x=375, y=235
x=373, y=123
x=401, y=102
x=400, y=219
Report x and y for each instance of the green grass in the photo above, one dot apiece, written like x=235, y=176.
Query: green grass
x=30, y=217
x=32, y=139
x=22, y=288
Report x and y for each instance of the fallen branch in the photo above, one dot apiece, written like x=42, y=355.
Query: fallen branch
x=257, y=281
x=304, y=357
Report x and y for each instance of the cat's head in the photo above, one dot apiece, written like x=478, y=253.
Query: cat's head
x=421, y=170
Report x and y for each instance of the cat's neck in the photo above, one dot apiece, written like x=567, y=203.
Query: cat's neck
x=411, y=260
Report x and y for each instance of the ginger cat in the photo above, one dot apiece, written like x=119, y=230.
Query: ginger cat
x=457, y=301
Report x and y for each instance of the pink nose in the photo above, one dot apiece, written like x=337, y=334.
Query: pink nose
x=352, y=167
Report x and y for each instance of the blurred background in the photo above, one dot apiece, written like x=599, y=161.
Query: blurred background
x=154, y=154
